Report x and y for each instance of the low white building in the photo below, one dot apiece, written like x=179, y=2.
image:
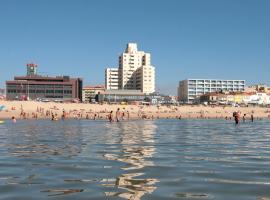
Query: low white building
x=258, y=98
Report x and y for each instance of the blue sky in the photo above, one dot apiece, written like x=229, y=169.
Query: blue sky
x=228, y=39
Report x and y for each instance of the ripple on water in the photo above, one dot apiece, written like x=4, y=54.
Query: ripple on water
x=58, y=192
x=192, y=196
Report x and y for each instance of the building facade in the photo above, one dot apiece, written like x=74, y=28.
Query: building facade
x=235, y=98
x=144, y=79
x=89, y=93
x=118, y=96
x=261, y=88
x=135, y=71
x=190, y=90
x=111, y=79
x=34, y=87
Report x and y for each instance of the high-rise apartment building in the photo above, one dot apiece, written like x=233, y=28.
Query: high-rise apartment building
x=190, y=89
x=111, y=79
x=135, y=71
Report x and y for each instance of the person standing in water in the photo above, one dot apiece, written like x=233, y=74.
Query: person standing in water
x=236, y=117
x=111, y=117
x=13, y=119
x=252, y=118
x=123, y=115
x=244, y=118
x=118, y=114
x=63, y=115
x=127, y=115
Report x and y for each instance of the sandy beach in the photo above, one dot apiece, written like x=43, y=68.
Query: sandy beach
x=43, y=110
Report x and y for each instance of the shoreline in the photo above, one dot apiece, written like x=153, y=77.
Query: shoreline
x=42, y=110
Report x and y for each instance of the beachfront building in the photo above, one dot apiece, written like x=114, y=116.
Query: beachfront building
x=135, y=71
x=224, y=98
x=258, y=98
x=89, y=93
x=33, y=86
x=111, y=79
x=261, y=88
x=190, y=90
x=214, y=98
x=118, y=96
x=235, y=98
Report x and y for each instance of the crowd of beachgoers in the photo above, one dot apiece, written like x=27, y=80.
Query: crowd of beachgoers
x=56, y=111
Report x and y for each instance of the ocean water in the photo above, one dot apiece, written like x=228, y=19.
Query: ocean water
x=160, y=159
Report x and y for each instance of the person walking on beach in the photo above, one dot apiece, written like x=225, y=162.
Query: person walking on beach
x=252, y=118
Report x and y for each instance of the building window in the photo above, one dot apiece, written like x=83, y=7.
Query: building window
x=59, y=91
x=67, y=92
x=49, y=91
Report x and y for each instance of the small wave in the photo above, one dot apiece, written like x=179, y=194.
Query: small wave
x=238, y=182
x=192, y=195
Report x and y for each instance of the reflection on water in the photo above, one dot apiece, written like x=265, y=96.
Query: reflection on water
x=135, y=150
x=34, y=141
x=163, y=159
